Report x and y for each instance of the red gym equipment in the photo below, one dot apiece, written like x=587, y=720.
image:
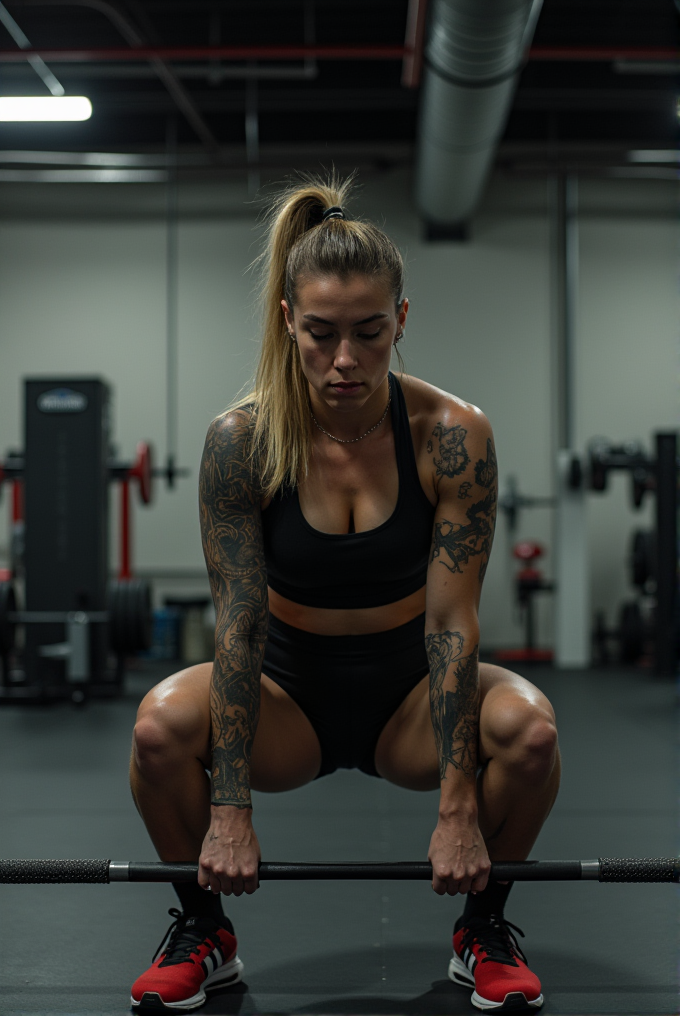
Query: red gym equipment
x=528, y=582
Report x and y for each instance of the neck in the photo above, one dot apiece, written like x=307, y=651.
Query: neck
x=353, y=422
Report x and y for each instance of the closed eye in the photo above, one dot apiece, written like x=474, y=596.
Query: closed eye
x=365, y=335
x=315, y=336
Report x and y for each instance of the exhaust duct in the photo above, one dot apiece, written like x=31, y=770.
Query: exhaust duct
x=473, y=56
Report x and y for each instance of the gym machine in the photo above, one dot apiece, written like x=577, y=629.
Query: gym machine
x=655, y=556
x=529, y=580
x=76, y=627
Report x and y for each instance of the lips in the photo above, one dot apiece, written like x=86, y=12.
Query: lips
x=346, y=386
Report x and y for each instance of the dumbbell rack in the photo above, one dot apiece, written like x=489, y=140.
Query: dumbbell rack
x=656, y=474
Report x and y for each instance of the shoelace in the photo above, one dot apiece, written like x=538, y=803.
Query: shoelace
x=182, y=942
x=495, y=938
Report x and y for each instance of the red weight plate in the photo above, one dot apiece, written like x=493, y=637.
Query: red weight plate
x=143, y=471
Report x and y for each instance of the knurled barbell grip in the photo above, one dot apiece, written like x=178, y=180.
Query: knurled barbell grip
x=54, y=871
x=639, y=869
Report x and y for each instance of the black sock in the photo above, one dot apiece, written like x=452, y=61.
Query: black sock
x=196, y=902
x=491, y=901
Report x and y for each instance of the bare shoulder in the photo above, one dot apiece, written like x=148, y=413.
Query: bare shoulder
x=226, y=465
x=231, y=430
x=435, y=413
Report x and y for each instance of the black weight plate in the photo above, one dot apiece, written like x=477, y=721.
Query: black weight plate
x=131, y=609
x=130, y=621
x=8, y=605
x=117, y=598
x=631, y=633
x=598, y=454
x=144, y=617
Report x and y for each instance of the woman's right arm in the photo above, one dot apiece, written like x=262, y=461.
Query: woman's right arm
x=232, y=544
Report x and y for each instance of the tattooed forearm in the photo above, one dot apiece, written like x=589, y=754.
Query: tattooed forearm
x=454, y=702
x=453, y=457
x=232, y=544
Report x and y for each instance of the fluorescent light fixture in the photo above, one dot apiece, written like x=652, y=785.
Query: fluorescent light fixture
x=654, y=155
x=83, y=176
x=44, y=107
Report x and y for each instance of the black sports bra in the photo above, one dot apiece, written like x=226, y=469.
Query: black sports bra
x=374, y=567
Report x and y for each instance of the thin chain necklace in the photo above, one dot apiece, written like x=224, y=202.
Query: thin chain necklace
x=353, y=440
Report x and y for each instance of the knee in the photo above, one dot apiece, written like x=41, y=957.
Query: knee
x=160, y=737
x=526, y=737
x=150, y=741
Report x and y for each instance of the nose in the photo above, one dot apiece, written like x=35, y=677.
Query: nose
x=344, y=356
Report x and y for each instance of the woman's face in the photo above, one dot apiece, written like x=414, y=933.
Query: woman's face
x=345, y=330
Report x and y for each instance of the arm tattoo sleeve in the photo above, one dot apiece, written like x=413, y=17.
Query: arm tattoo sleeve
x=454, y=701
x=455, y=543
x=453, y=457
x=232, y=544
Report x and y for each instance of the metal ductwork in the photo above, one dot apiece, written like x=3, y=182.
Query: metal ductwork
x=473, y=56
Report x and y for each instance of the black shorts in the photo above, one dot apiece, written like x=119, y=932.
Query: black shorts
x=348, y=686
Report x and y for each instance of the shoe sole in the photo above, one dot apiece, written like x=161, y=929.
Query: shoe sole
x=514, y=1001
x=229, y=973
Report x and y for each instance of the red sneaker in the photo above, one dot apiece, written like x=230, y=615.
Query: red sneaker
x=486, y=957
x=200, y=954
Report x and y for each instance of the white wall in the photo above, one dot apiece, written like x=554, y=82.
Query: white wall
x=628, y=368
x=82, y=291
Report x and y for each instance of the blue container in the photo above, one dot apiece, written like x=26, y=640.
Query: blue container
x=165, y=634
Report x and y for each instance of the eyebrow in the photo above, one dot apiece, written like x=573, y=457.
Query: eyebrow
x=365, y=321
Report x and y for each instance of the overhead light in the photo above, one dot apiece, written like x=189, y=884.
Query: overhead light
x=654, y=155
x=44, y=107
x=83, y=176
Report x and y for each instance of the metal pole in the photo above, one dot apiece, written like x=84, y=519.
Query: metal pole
x=572, y=608
x=566, y=284
x=124, y=571
x=252, y=130
x=171, y=286
x=666, y=620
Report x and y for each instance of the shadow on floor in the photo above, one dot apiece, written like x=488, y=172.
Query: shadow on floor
x=319, y=985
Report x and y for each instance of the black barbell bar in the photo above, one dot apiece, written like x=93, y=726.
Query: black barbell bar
x=605, y=869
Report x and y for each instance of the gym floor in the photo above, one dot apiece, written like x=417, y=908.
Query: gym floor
x=360, y=948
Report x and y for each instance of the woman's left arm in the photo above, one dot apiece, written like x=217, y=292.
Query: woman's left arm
x=466, y=480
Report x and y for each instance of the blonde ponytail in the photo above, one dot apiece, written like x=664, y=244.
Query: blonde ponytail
x=300, y=244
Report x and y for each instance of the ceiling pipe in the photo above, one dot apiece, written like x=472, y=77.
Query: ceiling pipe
x=36, y=62
x=601, y=54
x=473, y=55
x=414, y=43
x=555, y=54
x=301, y=52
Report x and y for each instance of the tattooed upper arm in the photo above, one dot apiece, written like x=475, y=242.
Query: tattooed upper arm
x=232, y=544
x=466, y=478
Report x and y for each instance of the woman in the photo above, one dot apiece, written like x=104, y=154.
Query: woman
x=347, y=518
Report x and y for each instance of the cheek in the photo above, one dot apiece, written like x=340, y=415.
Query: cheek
x=313, y=360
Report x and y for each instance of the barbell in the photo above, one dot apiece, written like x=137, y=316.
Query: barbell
x=604, y=869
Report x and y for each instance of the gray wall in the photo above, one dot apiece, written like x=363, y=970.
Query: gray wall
x=82, y=291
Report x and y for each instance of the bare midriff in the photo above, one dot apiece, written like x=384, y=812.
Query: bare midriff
x=363, y=621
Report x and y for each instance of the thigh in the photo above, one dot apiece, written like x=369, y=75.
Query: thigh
x=286, y=752
x=406, y=753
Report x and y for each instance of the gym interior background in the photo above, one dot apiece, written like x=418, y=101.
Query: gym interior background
x=125, y=246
